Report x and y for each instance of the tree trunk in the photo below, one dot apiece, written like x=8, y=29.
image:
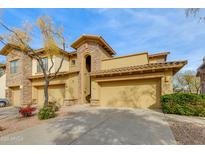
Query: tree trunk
x=46, y=93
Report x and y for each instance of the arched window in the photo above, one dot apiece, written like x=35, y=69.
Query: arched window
x=88, y=63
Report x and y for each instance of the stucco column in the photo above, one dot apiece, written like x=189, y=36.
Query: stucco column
x=34, y=95
x=71, y=90
x=167, y=83
x=67, y=100
x=95, y=92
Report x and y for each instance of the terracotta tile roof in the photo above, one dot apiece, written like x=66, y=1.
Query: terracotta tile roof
x=59, y=74
x=138, y=68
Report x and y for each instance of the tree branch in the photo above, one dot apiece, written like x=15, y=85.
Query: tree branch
x=4, y=43
x=32, y=53
x=49, y=71
x=10, y=30
x=55, y=74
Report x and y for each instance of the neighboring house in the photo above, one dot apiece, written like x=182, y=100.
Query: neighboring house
x=2, y=80
x=91, y=74
x=201, y=74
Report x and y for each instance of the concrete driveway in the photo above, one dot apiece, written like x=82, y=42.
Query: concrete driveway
x=92, y=126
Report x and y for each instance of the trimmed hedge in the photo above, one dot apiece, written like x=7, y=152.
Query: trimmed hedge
x=184, y=104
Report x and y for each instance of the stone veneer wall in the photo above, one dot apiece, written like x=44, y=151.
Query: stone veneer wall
x=26, y=83
x=19, y=79
x=97, y=54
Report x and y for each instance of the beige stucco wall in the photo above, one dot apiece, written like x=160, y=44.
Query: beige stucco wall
x=65, y=65
x=167, y=82
x=56, y=60
x=71, y=66
x=71, y=90
x=156, y=60
x=117, y=62
x=3, y=86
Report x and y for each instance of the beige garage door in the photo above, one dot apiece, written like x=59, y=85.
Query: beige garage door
x=56, y=93
x=132, y=93
x=16, y=96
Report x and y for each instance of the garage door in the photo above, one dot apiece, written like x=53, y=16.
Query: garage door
x=56, y=94
x=132, y=93
x=16, y=96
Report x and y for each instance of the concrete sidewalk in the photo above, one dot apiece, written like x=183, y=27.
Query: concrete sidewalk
x=96, y=126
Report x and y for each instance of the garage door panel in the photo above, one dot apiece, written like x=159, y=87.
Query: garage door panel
x=40, y=96
x=16, y=96
x=135, y=93
x=56, y=94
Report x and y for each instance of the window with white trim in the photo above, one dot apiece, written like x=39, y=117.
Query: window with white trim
x=14, y=66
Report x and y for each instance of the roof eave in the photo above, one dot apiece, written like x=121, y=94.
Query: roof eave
x=162, y=54
x=33, y=77
x=41, y=50
x=76, y=43
x=6, y=49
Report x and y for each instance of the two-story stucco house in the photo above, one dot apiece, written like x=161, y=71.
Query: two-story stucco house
x=92, y=74
x=201, y=74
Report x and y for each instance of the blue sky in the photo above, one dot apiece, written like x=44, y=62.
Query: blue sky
x=128, y=31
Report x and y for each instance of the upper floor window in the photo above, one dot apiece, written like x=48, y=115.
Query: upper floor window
x=73, y=62
x=45, y=65
x=13, y=66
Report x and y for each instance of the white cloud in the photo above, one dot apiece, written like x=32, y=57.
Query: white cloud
x=139, y=30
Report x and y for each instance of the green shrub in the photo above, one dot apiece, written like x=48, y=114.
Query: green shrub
x=46, y=112
x=184, y=104
x=53, y=105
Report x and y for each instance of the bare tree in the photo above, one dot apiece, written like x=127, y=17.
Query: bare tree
x=52, y=40
x=192, y=11
x=195, y=12
x=187, y=82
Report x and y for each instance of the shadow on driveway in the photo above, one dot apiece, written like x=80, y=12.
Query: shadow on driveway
x=99, y=126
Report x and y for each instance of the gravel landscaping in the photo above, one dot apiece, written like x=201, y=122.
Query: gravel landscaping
x=15, y=123
x=187, y=133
